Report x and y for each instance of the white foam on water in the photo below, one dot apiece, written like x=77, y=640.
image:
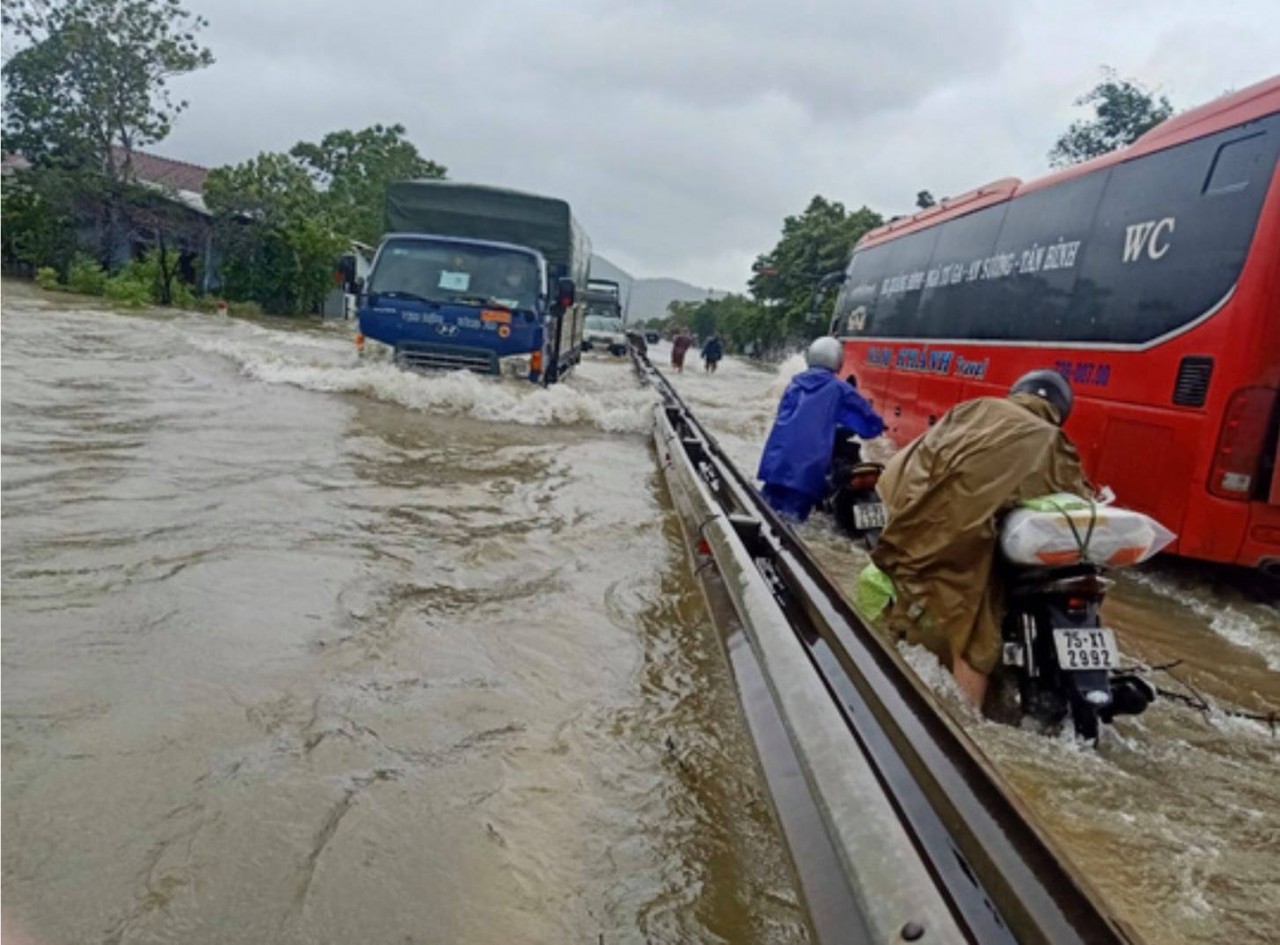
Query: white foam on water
x=1238, y=629
x=788, y=369
x=938, y=678
x=331, y=367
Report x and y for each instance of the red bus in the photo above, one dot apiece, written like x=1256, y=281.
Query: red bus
x=1149, y=277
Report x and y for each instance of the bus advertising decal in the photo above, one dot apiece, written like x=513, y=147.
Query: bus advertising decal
x=1035, y=258
x=945, y=362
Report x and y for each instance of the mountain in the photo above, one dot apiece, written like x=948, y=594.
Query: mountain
x=649, y=298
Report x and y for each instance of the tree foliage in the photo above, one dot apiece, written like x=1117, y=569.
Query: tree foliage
x=1123, y=111
x=743, y=324
x=924, y=200
x=94, y=76
x=353, y=168
x=813, y=244
x=88, y=87
x=283, y=219
x=277, y=242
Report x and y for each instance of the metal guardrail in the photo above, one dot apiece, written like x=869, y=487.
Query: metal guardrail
x=969, y=838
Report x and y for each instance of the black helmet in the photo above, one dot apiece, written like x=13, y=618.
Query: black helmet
x=1049, y=385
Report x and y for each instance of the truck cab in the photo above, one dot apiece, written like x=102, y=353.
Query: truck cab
x=469, y=277
x=453, y=303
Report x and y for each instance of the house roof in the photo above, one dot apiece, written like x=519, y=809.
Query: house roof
x=166, y=172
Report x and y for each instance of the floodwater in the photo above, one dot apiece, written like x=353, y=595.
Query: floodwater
x=1176, y=816
x=303, y=649
x=299, y=649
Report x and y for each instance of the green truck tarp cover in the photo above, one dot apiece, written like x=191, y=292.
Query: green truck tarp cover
x=445, y=208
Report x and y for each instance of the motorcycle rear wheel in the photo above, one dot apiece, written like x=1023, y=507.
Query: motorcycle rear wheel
x=1084, y=718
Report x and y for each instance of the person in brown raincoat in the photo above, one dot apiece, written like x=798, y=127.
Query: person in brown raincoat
x=945, y=493
x=679, y=347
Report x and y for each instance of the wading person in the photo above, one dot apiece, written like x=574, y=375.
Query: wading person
x=679, y=348
x=712, y=352
x=797, y=454
x=944, y=494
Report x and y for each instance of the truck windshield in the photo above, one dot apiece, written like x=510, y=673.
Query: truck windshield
x=441, y=271
x=601, y=323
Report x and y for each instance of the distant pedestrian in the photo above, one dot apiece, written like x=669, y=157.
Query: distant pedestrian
x=679, y=348
x=712, y=352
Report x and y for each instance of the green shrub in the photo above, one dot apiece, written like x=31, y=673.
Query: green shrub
x=244, y=308
x=47, y=278
x=85, y=276
x=205, y=303
x=183, y=295
x=127, y=289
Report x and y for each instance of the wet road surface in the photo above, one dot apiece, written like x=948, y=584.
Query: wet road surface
x=297, y=649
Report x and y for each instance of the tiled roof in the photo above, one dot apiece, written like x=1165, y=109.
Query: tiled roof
x=166, y=172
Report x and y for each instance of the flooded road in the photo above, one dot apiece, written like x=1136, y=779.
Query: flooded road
x=298, y=649
x=1176, y=816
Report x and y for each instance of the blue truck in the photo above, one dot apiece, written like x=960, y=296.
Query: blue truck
x=477, y=278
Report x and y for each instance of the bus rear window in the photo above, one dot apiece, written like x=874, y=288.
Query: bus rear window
x=1237, y=163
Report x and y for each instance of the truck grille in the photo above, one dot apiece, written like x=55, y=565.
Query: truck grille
x=422, y=356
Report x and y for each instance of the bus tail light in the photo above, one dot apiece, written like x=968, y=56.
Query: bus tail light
x=535, y=363
x=1245, y=427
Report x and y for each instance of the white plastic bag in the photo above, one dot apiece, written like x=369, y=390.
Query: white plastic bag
x=1065, y=529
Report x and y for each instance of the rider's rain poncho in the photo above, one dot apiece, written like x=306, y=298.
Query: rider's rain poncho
x=798, y=451
x=944, y=494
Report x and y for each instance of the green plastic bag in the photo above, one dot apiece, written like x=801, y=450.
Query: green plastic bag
x=875, y=592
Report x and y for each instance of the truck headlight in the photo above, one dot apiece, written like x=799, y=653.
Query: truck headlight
x=515, y=365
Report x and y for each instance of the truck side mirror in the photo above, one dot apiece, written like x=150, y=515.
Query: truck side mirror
x=566, y=292
x=357, y=285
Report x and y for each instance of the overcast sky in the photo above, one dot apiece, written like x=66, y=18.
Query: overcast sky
x=683, y=131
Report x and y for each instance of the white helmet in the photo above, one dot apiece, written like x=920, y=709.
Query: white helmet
x=826, y=353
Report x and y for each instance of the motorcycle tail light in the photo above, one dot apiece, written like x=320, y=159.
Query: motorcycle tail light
x=863, y=481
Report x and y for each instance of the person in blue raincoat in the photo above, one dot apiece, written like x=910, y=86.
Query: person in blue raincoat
x=798, y=451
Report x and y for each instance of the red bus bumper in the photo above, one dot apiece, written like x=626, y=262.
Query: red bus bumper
x=1261, y=545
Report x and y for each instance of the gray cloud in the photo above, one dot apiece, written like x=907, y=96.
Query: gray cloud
x=682, y=132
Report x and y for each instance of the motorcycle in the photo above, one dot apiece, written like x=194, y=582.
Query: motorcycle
x=851, y=491
x=1062, y=657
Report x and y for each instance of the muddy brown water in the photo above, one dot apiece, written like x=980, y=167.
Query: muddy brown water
x=299, y=648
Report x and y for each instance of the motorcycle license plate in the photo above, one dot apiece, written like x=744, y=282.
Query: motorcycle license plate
x=1081, y=648
x=870, y=515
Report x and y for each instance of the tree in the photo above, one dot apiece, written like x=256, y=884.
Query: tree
x=353, y=168
x=283, y=219
x=39, y=209
x=1123, y=111
x=278, y=241
x=94, y=76
x=88, y=88
x=813, y=244
x=924, y=199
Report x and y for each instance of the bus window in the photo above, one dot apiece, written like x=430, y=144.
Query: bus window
x=897, y=306
x=1237, y=163
x=1164, y=251
x=953, y=306
x=856, y=303
x=1040, y=241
